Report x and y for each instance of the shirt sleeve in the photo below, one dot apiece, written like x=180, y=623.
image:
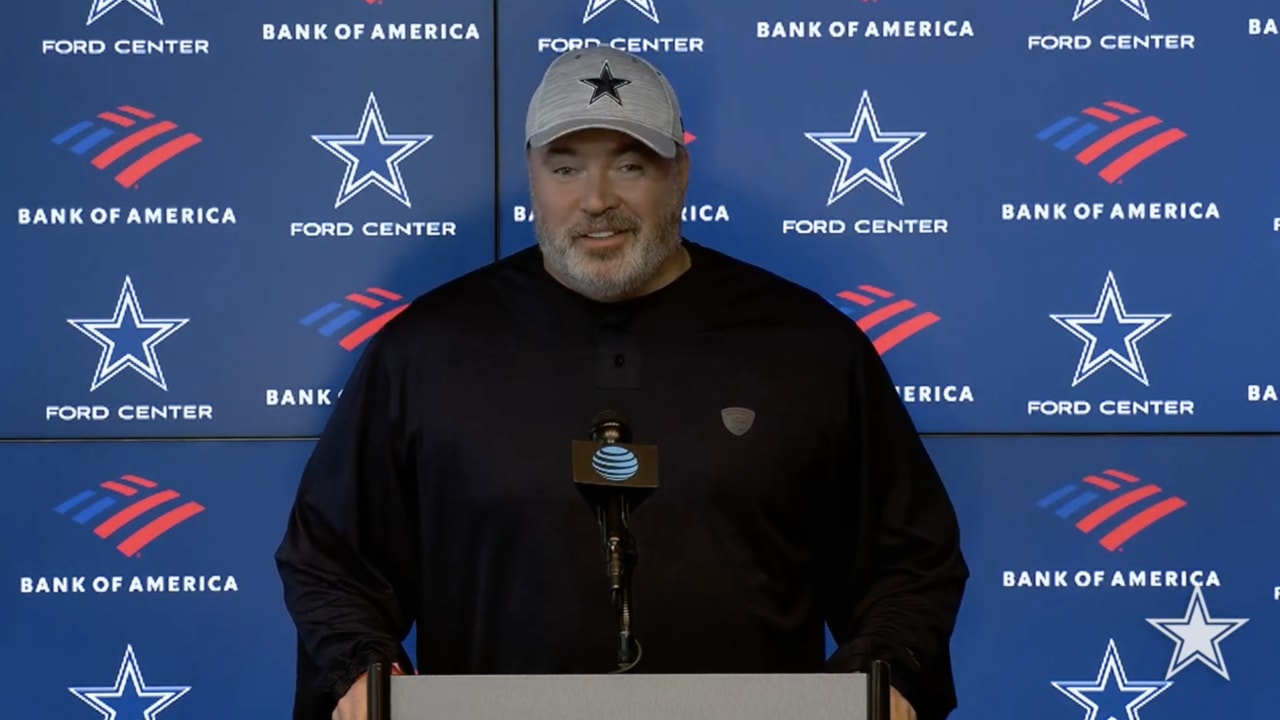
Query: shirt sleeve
x=348, y=554
x=893, y=572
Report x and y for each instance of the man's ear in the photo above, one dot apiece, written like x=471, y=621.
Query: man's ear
x=681, y=161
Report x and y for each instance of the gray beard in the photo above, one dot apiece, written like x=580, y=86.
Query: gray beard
x=608, y=275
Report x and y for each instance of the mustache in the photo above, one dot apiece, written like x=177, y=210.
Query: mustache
x=616, y=221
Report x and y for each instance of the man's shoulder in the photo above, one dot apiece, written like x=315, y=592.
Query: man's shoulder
x=756, y=290
x=472, y=300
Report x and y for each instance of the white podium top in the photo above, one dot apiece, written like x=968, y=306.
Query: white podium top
x=826, y=696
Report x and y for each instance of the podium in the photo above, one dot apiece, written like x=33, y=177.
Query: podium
x=816, y=696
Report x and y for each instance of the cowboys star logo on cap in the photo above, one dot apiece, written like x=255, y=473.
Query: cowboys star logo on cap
x=560, y=105
x=605, y=86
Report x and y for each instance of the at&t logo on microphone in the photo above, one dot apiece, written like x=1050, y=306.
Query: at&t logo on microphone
x=599, y=466
x=615, y=463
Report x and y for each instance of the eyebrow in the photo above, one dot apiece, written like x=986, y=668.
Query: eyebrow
x=565, y=150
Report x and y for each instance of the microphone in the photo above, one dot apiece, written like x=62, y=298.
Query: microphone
x=615, y=476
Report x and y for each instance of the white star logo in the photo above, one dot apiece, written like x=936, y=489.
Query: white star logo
x=101, y=7
x=1112, y=667
x=1110, y=309
x=1197, y=636
x=129, y=679
x=140, y=352
x=864, y=121
x=595, y=7
x=1084, y=6
x=384, y=170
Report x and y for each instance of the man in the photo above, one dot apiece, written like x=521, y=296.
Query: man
x=794, y=491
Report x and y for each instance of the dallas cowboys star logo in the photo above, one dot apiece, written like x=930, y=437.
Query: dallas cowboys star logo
x=876, y=148
x=1084, y=6
x=1112, y=667
x=595, y=7
x=101, y=7
x=372, y=163
x=130, y=696
x=605, y=86
x=128, y=339
x=1110, y=310
x=1197, y=636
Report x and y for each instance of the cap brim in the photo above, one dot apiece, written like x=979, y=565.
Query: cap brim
x=660, y=143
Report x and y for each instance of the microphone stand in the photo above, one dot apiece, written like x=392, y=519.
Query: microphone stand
x=621, y=558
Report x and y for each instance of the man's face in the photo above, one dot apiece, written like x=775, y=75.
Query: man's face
x=606, y=211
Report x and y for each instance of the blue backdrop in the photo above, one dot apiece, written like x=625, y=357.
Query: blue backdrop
x=1057, y=220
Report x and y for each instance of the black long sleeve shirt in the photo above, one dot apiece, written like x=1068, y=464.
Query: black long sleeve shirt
x=440, y=492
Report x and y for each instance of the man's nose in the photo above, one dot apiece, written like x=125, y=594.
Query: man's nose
x=598, y=196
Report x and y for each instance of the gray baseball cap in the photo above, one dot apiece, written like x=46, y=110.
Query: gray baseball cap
x=601, y=87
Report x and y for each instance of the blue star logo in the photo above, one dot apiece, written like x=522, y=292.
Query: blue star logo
x=595, y=7
x=130, y=698
x=1120, y=702
x=1110, y=312
x=375, y=162
x=873, y=153
x=101, y=7
x=1084, y=6
x=1197, y=636
x=128, y=339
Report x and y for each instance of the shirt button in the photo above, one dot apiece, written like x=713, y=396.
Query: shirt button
x=619, y=360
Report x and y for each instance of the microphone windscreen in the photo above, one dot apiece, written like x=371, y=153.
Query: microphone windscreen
x=608, y=416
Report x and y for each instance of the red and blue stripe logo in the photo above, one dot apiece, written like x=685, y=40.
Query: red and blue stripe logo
x=132, y=510
x=1116, y=136
x=357, y=317
x=128, y=141
x=1113, y=505
x=875, y=307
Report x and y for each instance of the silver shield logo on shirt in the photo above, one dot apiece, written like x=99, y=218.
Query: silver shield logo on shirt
x=738, y=419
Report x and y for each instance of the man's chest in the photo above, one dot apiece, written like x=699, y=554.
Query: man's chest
x=735, y=432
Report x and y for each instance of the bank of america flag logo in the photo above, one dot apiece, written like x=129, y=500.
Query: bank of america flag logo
x=887, y=319
x=357, y=317
x=1114, y=506
x=1113, y=137
x=131, y=511
x=127, y=141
